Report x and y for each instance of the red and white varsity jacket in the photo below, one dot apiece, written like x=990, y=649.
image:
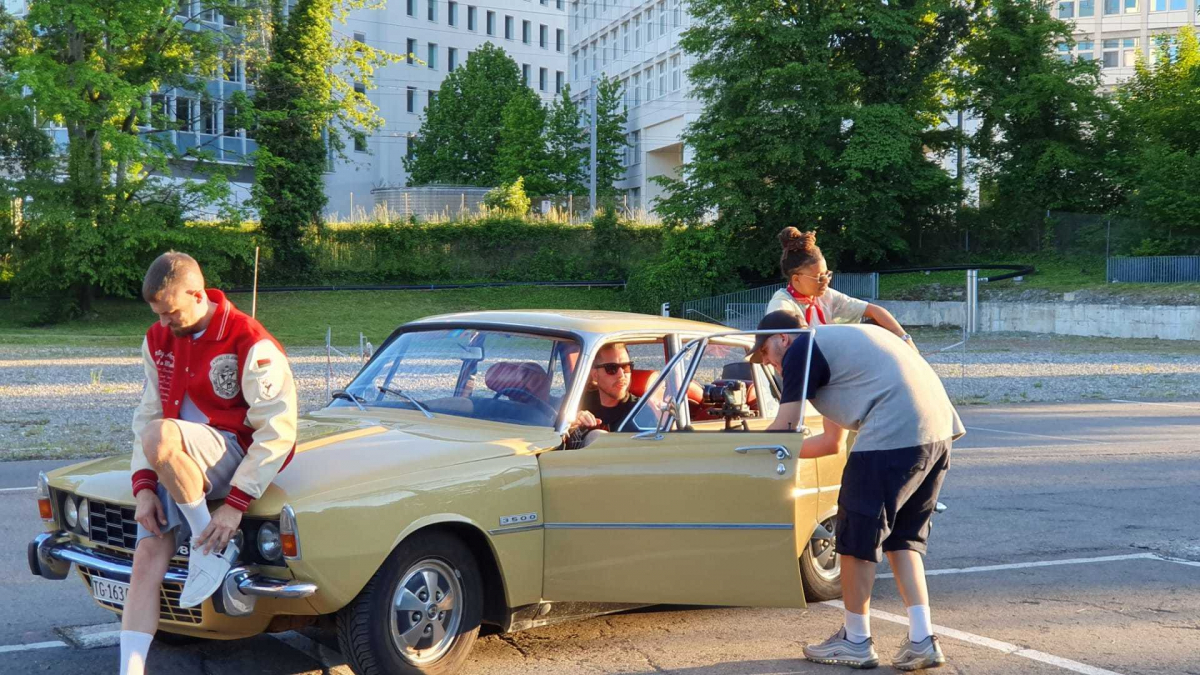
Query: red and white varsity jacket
x=237, y=375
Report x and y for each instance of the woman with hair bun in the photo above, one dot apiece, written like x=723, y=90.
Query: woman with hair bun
x=808, y=293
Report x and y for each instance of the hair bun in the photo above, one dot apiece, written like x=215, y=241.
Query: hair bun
x=792, y=239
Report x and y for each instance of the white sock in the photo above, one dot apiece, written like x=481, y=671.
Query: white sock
x=197, y=515
x=134, y=648
x=858, y=626
x=920, y=626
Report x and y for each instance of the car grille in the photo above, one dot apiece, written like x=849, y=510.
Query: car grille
x=168, y=606
x=112, y=525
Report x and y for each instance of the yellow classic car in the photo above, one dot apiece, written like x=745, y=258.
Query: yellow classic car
x=443, y=491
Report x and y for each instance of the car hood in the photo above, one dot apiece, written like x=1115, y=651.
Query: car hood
x=338, y=449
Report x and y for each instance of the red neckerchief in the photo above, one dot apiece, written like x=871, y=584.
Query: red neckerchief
x=810, y=304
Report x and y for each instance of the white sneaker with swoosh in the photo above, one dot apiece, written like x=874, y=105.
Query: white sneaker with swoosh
x=839, y=651
x=206, y=573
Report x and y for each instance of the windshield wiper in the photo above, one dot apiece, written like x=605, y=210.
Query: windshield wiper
x=397, y=392
x=342, y=393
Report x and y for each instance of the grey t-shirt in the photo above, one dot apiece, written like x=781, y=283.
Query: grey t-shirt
x=867, y=380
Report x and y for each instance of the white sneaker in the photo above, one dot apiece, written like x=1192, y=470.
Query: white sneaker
x=206, y=573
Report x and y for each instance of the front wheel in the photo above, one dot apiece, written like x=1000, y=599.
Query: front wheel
x=821, y=566
x=420, y=613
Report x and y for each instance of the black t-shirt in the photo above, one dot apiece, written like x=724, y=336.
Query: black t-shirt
x=609, y=418
x=793, y=370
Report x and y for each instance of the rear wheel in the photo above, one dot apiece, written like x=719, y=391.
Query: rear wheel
x=420, y=613
x=821, y=566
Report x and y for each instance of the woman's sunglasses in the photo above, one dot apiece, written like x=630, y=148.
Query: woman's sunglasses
x=827, y=276
x=614, y=368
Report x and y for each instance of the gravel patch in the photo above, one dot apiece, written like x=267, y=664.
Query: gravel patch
x=78, y=402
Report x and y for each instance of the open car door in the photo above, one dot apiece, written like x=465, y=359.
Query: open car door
x=664, y=512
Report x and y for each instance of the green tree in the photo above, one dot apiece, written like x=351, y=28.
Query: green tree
x=567, y=143
x=89, y=68
x=1161, y=118
x=459, y=139
x=522, y=153
x=610, y=135
x=817, y=114
x=305, y=107
x=1043, y=123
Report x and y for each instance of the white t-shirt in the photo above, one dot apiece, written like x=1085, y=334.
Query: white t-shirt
x=188, y=410
x=837, y=307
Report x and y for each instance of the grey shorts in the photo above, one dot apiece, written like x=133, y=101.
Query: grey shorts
x=218, y=454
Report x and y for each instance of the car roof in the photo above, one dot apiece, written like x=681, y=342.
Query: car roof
x=574, y=321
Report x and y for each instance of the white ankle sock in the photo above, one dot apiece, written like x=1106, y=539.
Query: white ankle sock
x=134, y=648
x=858, y=626
x=920, y=626
x=197, y=515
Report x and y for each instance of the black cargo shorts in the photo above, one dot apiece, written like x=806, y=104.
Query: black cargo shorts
x=887, y=499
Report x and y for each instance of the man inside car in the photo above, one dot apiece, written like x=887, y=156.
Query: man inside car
x=607, y=400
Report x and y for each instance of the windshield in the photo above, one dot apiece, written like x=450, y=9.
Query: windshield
x=482, y=374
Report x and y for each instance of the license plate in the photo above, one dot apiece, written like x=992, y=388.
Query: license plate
x=109, y=591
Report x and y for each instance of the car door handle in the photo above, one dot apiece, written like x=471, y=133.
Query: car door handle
x=781, y=451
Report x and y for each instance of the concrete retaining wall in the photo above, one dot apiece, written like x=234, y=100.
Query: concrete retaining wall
x=1166, y=322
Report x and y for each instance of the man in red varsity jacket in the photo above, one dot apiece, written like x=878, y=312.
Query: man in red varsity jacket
x=217, y=422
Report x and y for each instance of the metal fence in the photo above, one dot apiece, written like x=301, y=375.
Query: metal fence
x=743, y=309
x=1163, y=269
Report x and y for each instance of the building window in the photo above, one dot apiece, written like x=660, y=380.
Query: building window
x=649, y=24
x=471, y=12
x=508, y=28
x=637, y=89
x=432, y=97
x=233, y=70
x=558, y=81
x=637, y=148
x=1064, y=52
x=676, y=14
x=1087, y=8
x=575, y=65
x=560, y=39
x=208, y=118
x=558, y=4
x=451, y=59
x=544, y=36
x=411, y=46
x=184, y=8
x=411, y=99
x=491, y=22
x=432, y=60
x=360, y=88
x=1112, y=6
x=525, y=74
x=1131, y=6
x=360, y=38
x=1120, y=52
x=604, y=50
x=662, y=78
x=648, y=77
x=431, y=12
x=543, y=76
x=1086, y=49
x=637, y=32
x=412, y=7
x=183, y=113
x=360, y=144
x=410, y=146
x=662, y=17
x=585, y=60
x=1169, y=5
x=526, y=32
x=452, y=13
x=676, y=72
x=1066, y=10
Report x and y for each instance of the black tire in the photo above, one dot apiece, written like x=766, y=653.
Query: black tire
x=821, y=568
x=369, y=631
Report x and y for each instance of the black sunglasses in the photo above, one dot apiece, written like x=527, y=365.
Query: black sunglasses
x=613, y=368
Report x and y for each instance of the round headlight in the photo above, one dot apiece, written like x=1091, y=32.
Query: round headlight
x=269, y=545
x=85, y=517
x=70, y=512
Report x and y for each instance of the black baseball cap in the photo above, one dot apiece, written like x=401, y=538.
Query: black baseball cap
x=781, y=320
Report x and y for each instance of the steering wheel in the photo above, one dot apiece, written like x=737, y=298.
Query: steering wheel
x=528, y=398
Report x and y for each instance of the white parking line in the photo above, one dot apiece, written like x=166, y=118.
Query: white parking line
x=7, y=649
x=1037, y=563
x=1177, y=561
x=1005, y=647
x=20, y=489
x=1169, y=405
x=1056, y=438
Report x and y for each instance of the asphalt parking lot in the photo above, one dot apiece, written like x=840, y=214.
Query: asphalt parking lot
x=1072, y=544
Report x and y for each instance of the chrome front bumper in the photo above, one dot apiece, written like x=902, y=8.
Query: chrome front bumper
x=51, y=554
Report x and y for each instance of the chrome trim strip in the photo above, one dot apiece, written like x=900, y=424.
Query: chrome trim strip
x=275, y=588
x=669, y=526
x=509, y=530
x=830, y=488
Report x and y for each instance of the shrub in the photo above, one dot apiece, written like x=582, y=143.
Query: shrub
x=509, y=198
x=694, y=262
